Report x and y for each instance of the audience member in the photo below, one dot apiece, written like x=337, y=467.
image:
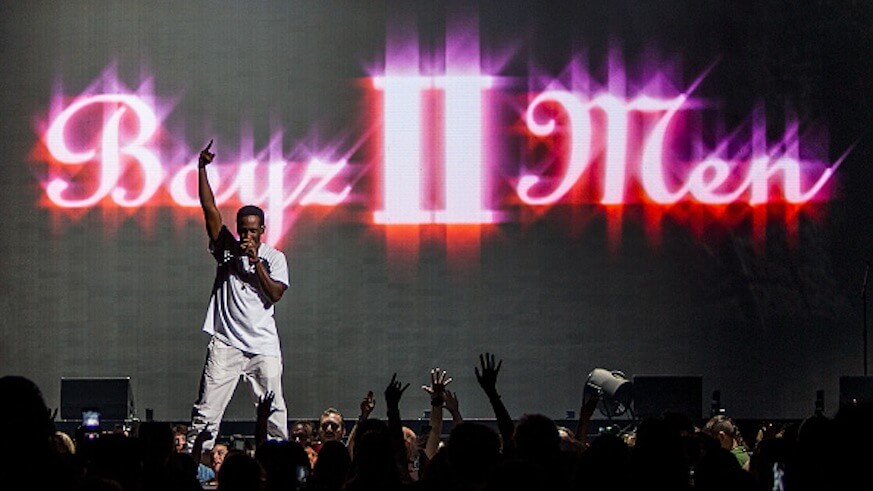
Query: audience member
x=728, y=435
x=64, y=444
x=379, y=459
x=658, y=457
x=303, y=433
x=331, y=469
x=29, y=458
x=473, y=452
x=216, y=457
x=285, y=465
x=240, y=472
x=180, y=438
x=667, y=452
x=331, y=427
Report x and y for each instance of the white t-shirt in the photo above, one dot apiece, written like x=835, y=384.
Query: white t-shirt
x=239, y=313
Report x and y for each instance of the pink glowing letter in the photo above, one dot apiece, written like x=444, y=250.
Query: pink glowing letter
x=111, y=152
x=579, y=135
x=464, y=165
x=402, y=147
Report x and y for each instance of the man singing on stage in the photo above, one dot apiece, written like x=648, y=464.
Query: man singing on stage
x=249, y=279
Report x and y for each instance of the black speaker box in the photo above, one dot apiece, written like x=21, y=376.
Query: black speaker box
x=855, y=389
x=111, y=396
x=657, y=394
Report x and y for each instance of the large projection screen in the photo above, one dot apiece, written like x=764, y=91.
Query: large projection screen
x=662, y=188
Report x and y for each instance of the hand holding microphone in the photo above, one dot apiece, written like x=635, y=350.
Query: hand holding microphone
x=250, y=249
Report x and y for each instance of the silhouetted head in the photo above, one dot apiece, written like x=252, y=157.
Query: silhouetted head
x=373, y=463
x=536, y=438
x=333, y=464
x=24, y=417
x=156, y=442
x=285, y=464
x=239, y=472
x=473, y=451
x=658, y=456
x=681, y=423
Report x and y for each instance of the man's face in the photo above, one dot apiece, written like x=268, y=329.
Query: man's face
x=179, y=440
x=331, y=427
x=250, y=227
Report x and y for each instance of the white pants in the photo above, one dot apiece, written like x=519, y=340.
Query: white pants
x=224, y=366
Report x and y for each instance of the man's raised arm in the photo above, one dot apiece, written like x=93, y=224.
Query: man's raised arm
x=207, y=199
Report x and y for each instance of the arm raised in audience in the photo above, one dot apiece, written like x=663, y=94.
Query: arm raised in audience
x=451, y=403
x=585, y=413
x=439, y=379
x=265, y=408
x=368, y=403
x=487, y=379
x=197, y=448
x=393, y=393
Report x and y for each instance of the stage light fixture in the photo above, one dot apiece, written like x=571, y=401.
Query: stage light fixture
x=614, y=388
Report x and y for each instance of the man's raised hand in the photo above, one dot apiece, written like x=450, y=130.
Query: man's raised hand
x=206, y=156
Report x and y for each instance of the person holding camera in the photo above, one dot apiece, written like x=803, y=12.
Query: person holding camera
x=250, y=278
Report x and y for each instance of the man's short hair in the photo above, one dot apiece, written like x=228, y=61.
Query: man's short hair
x=249, y=210
x=327, y=412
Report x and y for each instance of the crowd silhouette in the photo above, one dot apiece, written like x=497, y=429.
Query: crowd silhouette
x=669, y=452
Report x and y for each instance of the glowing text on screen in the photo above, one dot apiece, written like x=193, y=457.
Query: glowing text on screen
x=109, y=149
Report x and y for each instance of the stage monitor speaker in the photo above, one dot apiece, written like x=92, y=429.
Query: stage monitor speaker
x=111, y=396
x=656, y=394
x=855, y=389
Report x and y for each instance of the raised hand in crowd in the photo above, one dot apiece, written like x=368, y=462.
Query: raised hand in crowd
x=585, y=413
x=197, y=448
x=393, y=394
x=264, y=410
x=487, y=379
x=452, y=405
x=368, y=403
x=439, y=379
